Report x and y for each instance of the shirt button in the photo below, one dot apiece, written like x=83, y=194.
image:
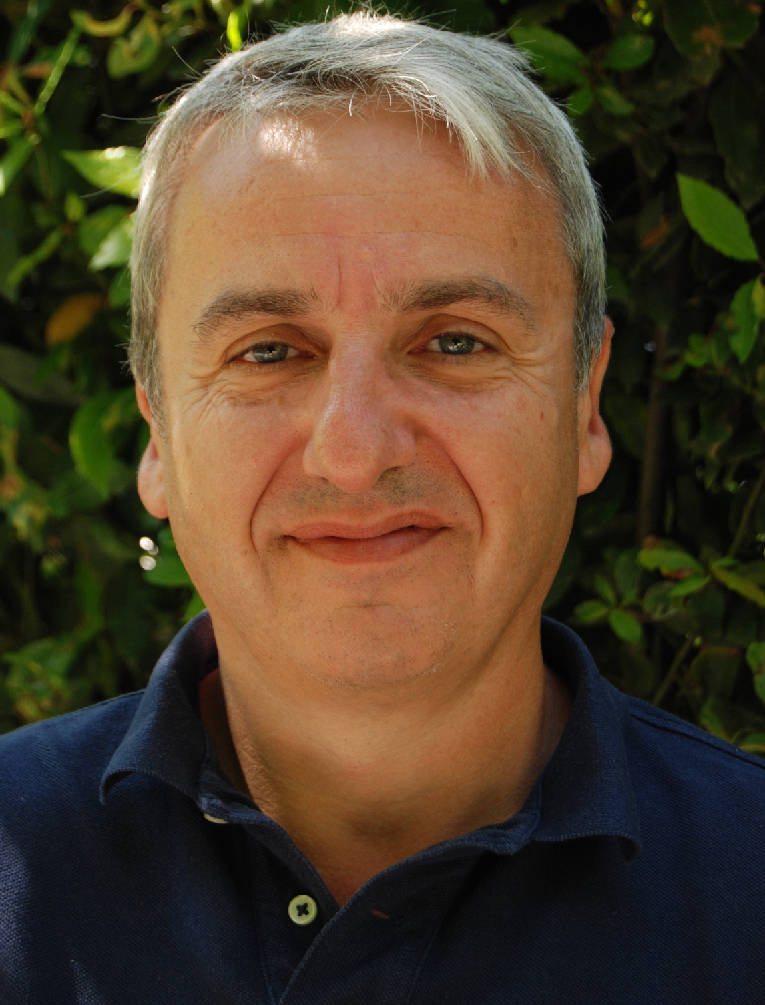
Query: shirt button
x=302, y=909
x=214, y=820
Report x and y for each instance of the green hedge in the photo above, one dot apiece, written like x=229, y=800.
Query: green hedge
x=664, y=574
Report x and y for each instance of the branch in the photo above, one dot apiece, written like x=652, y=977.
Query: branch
x=743, y=524
x=677, y=662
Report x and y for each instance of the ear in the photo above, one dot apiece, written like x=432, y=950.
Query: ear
x=151, y=475
x=594, y=442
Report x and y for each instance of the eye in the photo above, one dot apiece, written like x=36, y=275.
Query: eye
x=269, y=352
x=455, y=345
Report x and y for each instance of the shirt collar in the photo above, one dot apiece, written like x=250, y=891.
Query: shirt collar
x=585, y=789
x=166, y=737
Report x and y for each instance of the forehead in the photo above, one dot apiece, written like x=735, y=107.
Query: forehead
x=327, y=198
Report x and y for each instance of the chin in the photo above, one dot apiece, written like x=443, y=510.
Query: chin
x=374, y=675
x=373, y=648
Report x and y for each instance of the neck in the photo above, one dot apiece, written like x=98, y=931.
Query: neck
x=361, y=780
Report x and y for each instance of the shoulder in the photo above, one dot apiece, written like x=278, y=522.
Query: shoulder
x=675, y=765
x=668, y=732
x=62, y=759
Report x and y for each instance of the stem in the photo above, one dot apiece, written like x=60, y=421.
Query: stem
x=67, y=51
x=743, y=524
x=665, y=685
x=649, y=504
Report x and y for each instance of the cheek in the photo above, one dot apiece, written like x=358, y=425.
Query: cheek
x=517, y=452
x=223, y=457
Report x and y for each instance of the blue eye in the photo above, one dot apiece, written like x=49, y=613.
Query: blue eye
x=269, y=352
x=455, y=345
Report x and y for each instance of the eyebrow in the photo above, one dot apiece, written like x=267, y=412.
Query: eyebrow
x=484, y=291
x=432, y=294
x=237, y=306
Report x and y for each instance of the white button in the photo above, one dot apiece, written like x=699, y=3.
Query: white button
x=302, y=909
x=214, y=820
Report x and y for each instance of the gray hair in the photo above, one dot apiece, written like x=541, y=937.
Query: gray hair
x=478, y=87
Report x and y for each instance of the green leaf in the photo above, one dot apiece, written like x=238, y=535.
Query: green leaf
x=115, y=247
x=613, y=102
x=28, y=263
x=580, y=100
x=627, y=573
x=558, y=58
x=12, y=104
x=700, y=30
x=716, y=669
x=699, y=352
x=672, y=373
x=738, y=583
x=660, y=606
x=738, y=121
x=72, y=493
x=94, y=228
x=669, y=559
x=10, y=414
x=74, y=207
x=195, y=606
x=625, y=626
x=11, y=129
x=590, y=611
x=232, y=32
x=711, y=720
x=102, y=29
x=686, y=587
x=758, y=299
x=14, y=159
x=629, y=52
x=116, y=169
x=37, y=680
x=119, y=289
x=747, y=324
x=718, y=221
x=136, y=52
x=755, y=657
x=754, y=743
x=25, y=30
x=23, y=372
x=604, y=590
x=89, y=444
x=169, y=571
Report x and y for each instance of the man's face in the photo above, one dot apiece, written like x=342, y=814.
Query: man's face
x=372, y=440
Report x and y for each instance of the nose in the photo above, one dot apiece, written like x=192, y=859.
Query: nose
x=360, y=429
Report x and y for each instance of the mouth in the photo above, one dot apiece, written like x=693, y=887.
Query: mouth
x=351, y=543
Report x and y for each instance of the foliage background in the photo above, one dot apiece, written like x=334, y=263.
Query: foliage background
x=664, y=574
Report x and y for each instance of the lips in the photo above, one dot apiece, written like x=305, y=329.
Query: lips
x=351, y=542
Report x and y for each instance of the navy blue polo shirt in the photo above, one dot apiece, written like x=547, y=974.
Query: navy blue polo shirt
x=633, y=874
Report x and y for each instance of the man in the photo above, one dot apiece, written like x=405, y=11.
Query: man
x=369, y=341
